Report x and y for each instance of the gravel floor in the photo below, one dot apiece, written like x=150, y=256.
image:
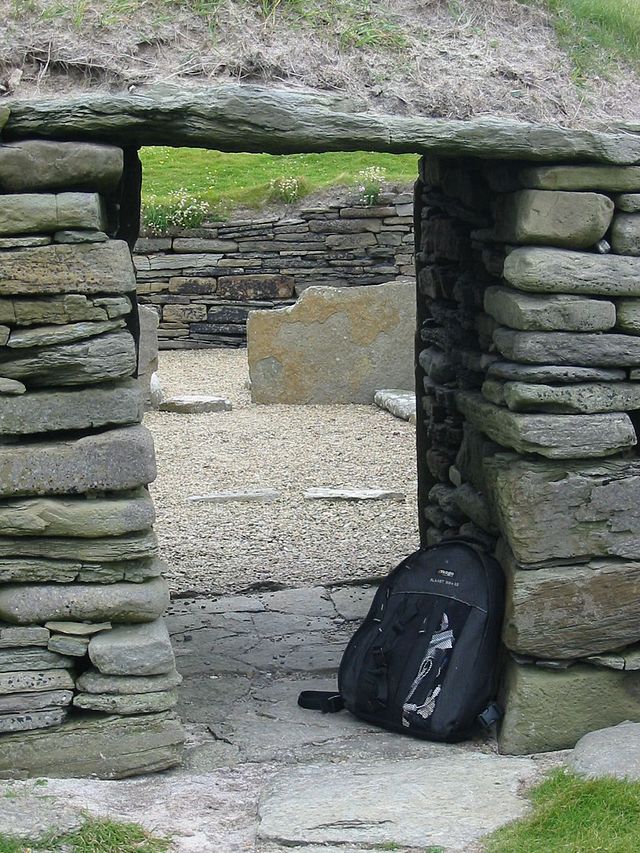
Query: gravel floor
x=215, y=548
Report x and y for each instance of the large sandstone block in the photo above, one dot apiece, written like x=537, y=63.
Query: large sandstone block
x=551, y=709
x=560, y=612
x=625, y=234
x=562, y=271
x=103, y=747
x=553, y=436
x=584, y=398
x=257, y=286
x=40, y=213
x=85, y=408
x=566, y=510
x=610, y=350
x=61, y=571
x=335, y=345
x=87, y=268
x=104, y=358
x=53, y=335
x=26, y=604
x=574, y=220
x=109, y=461
x=607, y=178
x=133, y=650
x=66, y=309
x=545, y=313
x=131, y=546
x=38, y=165
x=81, y=517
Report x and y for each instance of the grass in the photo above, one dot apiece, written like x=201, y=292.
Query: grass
x=595, y=31
x=571, y=815
x=228, y=181
x=95, y=836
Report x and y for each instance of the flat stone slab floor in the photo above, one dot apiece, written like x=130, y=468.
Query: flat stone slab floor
x=265, y=776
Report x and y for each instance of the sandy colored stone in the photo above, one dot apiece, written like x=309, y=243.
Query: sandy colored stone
x=540, y=312
x=553, y=436
x=195, y=404
x=36, y=164
x=573, y=220
x=566, y=510
x=541, y=270
x=552, y=709
x=24, y=604
x=79, y=517
x=104, y=268
x=335, y=345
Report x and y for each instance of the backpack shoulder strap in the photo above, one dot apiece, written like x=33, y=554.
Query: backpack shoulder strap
x=327, y=701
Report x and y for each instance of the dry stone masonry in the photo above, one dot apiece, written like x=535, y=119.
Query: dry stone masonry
x=203, y=282
x=529, y=294
x=87, y=672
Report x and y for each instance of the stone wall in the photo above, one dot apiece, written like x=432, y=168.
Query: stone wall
x=87, y=673
x=203, y=282
x=529, y=369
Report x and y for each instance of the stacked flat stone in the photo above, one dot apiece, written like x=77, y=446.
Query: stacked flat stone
x=530, y=354
x=204, y=281
x=87, y=673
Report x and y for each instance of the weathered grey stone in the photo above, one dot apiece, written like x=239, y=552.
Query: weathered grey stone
x=24, y=604
x=554, y=374
x=37, y=820
x=551, y=709
x=562, y=271
x=73, y=646
x=548, y=313
x=553, y=436
x=87, y=268
x=625, y=234
x=608, y=178
x=628, y=316
x=51, y=335
x=109, y=748
x=137, y=650
x=76, y=409
x=611, y=753
x=4, y=335
x=23, y=721
x=69, y=308
x=76, y=629
x=626, y=659
x=42, y=570
x=566, y=510
x=340, y=803
x=628, y=202
x=335, y=345
x=475, y=446
x=286, y=121
x=32, y=658
x=78, y=516
x=255, y=286
x=343, y=494
x=568, y=348
x=35, y=701
x=35, y=682
x=12, y=637
x=11, y=387
x=38, y=213
x=195, y=404
x=239, y=495
x=77, y=236
x=92, y=681
x=574, y=220
x=39, y=165
x=493, y=391
x=147, y=352
x=132, y=546
x=401, y=404
x=105, y=358
x=565, y=612
x=475, y=506
x=572, y=399
x=109, y=461
x=195, y=244
x=24, y=242
x=130, y=703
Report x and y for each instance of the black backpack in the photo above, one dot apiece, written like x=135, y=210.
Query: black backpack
x=425, y=660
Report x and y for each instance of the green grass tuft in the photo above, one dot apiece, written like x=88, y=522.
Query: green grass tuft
x=95, y=836
x=571, y=815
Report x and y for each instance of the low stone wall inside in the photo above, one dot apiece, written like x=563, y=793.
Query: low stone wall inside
x=87, y=673
x=203, y=282
x=529, y=369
